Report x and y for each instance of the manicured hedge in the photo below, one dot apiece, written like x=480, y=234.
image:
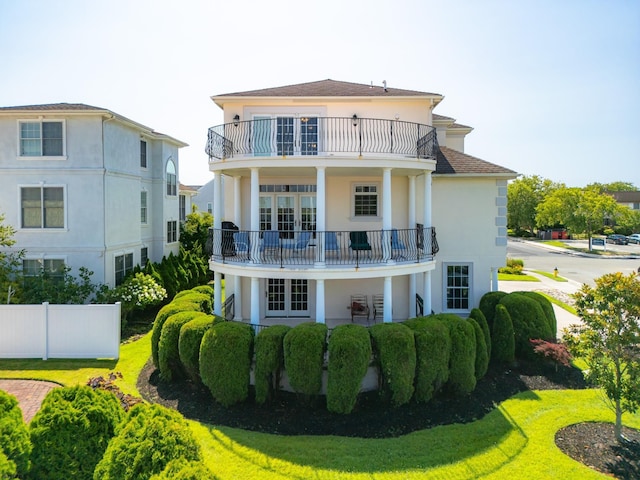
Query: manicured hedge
x=482, y=358
x=204, y=301
x=433, y=349
x=269, y=353
x=225, y=361
x=529, y=321
x=147, y=441
x=169, y=363
x=304, y=348
x=71, y=431
x=181, y=469
x=15, y=444
x=349, y=358
x=479, y=317
x=503, y=339
x=161, y=317
x=547, y=308
x=462, y=379
x=395, y=352
x=191, y=334
x=488, y=304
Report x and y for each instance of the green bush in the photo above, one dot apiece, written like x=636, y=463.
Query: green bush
x=161, y=317
x=147, y=441
x=503, y=340
x=488, y=304
x=71, y=432
x=169, y=363
x=304, y=348
x=349, y=358
x=529, y=321
x=547, y=308
x=269, y=351
x=225, y=361
x=181, y=469
x=462, y=364
x=479, y=317
x=433, y=349
x=482, y=357
x=204, y=301
x=395, y=353
x=189, y=342
x=15, y=443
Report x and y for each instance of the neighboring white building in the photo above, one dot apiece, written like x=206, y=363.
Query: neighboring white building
x=341, y=189
x=86, y=187
x=204, y=198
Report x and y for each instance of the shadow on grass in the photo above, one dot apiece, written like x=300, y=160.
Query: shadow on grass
x=55, y=364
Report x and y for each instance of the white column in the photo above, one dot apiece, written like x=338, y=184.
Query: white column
x=412, y=295
x=386, y=214
x=254, y=238
x=426, y=293
x=320, y=315
x=411, y=221
x=494, y=279
x=388, y=302
x=427, y=200
x=217, y=241
x=217, y=293
x=237, y=295
x=237, y=202
x=255, y=300
x=217, y=200
x=321, y=209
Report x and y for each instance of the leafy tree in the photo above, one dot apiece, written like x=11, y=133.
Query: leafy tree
x=614, y=187
x=60, y=287
x=523, y=197
x=609, y=339
x=9, y=263
x=194, y=232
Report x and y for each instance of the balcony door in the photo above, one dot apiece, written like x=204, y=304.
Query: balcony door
x=287, y=297
x=285, y=135
x=288, y=213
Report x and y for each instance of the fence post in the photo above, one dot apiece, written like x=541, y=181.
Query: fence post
x=45, y=317
x=118, y=310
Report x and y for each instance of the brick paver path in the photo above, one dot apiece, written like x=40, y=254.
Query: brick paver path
x=29, y=393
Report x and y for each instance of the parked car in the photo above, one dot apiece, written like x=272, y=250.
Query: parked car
x=617, y=239
x=634, y=238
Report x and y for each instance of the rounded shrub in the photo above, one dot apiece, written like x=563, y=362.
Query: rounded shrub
x=269, y=353
x=225, y=361
x=181, y=469
x=529, y=321
x=191, y=334
x=503, y=339
x=479, y=317
x=304, y=348
x=161, y=317
x=206, y=289
x=349, y=358
x=168, y=356
x=71, y=431
x=547, y=308
x=482, y=357
x=433, y=349
x=15, y=443
x=488, y=304
x=202, y=300
x=395, y=353
x=462, y=364
x=149, y=438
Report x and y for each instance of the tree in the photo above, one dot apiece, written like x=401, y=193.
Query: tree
x=60, y=287
x=523, y=197
x=614, y=187
x=194, y=233
x=609, y=339
x=10, y=263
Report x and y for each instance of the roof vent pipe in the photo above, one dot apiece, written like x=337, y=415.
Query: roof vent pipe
x=384, y=84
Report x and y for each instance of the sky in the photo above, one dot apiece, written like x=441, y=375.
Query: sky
x=551, y=88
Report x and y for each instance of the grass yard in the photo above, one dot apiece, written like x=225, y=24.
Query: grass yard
x=512, y=277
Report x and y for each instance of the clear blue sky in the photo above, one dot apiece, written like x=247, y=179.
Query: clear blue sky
x=551, y=87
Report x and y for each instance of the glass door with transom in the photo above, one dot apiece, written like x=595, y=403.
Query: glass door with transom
x=285, y=135
x=293, y=213
x=287, y=297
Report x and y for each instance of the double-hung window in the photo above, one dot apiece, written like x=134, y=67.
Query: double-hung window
x=172, y=231
x=172, y=189
x=143, y=154
x=42, y=138
x=33, y=267
x=365, y=200
x=143, y=207
x=42, y=207
x=458, y=286
x=123, y=265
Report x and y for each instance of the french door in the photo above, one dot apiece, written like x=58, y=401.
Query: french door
x=287, y=297
x=285, y=135
x=288, y=214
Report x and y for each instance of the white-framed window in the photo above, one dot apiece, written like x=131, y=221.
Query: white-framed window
x=123, y=265
x=33, y=267
x=172, y=231
x=41, y=138
x=366, y=199
x=144, y=256
x=143, y=153
x=42, y=207
x=143, y=207
x=209, y=207
x=183, y=207
x=457, y=291
x=172, y=189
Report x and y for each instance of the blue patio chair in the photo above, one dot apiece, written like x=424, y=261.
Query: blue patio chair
x=241, y=241
x=331, y=242
x=301, y=244
x=271, y=240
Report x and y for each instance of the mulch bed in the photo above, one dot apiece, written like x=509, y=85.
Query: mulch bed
x=590, y=443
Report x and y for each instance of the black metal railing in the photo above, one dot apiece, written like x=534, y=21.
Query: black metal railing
x=356, y=248
x=286, y=136
x=419, y=306
x=229, y=307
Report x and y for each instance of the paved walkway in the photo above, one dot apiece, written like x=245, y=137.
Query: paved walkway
x=29, y=393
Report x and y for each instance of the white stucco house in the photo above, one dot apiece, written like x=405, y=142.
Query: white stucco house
x=341, y=194
x=86, y=187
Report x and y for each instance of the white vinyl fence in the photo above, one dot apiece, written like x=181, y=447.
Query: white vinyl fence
x=60, y=331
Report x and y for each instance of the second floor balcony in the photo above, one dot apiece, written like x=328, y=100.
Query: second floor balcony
x=355, y=249
x=313, y=136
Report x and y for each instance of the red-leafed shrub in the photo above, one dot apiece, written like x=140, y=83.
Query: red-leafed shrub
x=556, y=352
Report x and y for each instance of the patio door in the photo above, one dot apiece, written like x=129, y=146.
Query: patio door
x=287, y=297
x=288, y=213
x=285, y=135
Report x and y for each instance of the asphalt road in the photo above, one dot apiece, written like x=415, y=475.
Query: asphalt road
x=579, y=268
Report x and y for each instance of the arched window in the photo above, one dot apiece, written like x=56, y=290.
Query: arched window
x=171, y=178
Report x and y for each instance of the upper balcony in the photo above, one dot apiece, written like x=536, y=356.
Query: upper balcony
x=321, y=136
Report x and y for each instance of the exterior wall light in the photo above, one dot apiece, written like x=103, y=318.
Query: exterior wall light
x=355, y=120
x=236, y=120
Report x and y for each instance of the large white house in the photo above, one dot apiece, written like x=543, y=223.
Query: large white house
x=86, y=187
x=329, y=195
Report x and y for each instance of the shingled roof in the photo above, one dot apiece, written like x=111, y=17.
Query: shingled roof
x=53, y=106
x=330, y=88
x=450, y=161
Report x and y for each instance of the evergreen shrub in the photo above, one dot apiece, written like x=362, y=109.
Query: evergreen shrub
x=150, y=437
x=395, y=354
x=225, y=361
x=161, y=317
x=71, y=431
x=479, y=317
x=503, y=339
x=488, y=304
x=462, y=364
x=547, y=308
x=349, y=358
x=181, y=469
x=169, y=363
x=202, y=300
x=482, y=357
x=529, y=321
x=15, y=444
x=304, y=348
x=189, y=342
x=269, y=352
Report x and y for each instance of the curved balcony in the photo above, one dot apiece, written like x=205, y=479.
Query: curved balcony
x=356, y=249
x=289, y=136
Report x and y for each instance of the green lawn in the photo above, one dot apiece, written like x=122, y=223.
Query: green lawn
x=551, y=276
x=512, y=277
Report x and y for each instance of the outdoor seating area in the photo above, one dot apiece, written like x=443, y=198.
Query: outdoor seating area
x=359, y=307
